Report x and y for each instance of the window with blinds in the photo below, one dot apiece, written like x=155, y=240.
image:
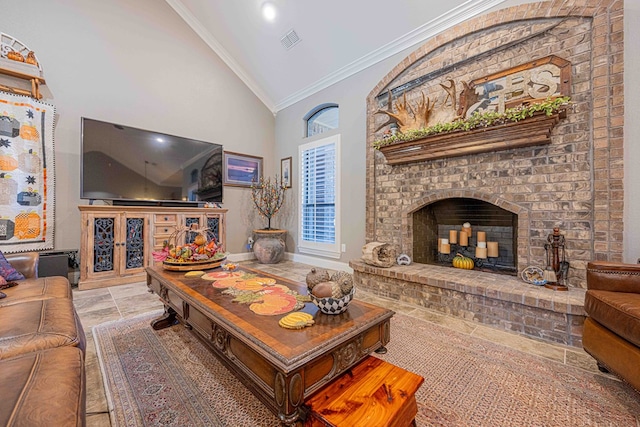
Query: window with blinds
x=319, y=183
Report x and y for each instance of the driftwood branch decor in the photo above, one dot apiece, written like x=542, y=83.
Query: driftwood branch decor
x=379, y=254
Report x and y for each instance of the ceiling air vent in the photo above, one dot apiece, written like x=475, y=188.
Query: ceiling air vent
x=290, y=39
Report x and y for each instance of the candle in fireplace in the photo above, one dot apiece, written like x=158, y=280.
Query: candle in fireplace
x=466, y=227
x=492, y=249
x=453, y=236
x=481, y=252
x=464, y=238
x=445, y=247
x=482, y=236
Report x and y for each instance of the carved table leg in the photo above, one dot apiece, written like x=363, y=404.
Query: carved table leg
x=166, y=320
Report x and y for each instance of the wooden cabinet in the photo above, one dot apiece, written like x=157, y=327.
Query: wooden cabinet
x=117, y=242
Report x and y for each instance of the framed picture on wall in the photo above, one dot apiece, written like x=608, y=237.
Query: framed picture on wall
x=241, y=170
x=285, y=171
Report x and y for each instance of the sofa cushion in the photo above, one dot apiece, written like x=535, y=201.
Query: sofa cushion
x=37, y=325
x=617, y=311
x=44, y=388
x=37, y=289
x=7, y=271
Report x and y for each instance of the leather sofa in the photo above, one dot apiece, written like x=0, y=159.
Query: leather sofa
x=612, y=328
x=42, y=349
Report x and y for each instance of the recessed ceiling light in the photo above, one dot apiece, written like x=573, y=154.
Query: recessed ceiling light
x=159, y=139
x=268, y=11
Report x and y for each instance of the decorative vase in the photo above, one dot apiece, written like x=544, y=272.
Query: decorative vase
x=269, y=245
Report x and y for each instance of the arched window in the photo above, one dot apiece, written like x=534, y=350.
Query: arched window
x=321, y=119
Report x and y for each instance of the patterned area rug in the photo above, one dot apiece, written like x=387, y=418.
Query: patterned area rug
x=169, y=378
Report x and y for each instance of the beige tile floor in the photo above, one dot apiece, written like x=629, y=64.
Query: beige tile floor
x=117, y=302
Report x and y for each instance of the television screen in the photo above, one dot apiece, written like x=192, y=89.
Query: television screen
x=131, y=165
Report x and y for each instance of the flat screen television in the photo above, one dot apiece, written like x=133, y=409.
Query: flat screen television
x=133, y=166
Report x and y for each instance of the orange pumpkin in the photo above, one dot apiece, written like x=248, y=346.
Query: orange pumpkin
x=15, y=56
x=29, y=132
x=8, y=163
x=27, y=225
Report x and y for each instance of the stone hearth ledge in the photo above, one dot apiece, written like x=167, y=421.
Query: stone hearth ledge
x=497, y=300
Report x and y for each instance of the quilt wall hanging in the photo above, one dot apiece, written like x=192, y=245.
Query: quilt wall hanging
x=26, y=174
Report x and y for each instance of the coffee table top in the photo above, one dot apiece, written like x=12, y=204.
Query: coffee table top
x=288, y=349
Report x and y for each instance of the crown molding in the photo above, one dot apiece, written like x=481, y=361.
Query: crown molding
x=226, y=57
x=455, y=16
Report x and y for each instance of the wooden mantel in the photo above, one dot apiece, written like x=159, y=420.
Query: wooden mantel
x=534, y=130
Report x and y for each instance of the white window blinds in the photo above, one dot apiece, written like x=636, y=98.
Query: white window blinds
x=319, y=195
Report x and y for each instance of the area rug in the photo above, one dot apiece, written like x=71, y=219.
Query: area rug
x=169, y=378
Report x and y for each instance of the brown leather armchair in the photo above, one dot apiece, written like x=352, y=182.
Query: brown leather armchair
x=612, y=329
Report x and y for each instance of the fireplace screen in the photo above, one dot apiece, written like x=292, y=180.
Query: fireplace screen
x=491, y=237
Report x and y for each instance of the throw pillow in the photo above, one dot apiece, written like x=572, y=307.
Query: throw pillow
x=7, y=271
x=4, y=284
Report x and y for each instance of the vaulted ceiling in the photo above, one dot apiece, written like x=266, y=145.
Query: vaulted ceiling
x=337, y=38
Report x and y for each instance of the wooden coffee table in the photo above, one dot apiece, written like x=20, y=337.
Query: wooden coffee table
x=282, y=367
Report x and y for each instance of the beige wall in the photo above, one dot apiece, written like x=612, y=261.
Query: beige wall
x=135, y=63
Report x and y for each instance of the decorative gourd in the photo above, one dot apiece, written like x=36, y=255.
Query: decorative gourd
x=31, y=59
x=200, y=240
x=461, y=261
x=15, y=56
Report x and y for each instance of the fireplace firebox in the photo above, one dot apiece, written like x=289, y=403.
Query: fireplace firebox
x=489, y=223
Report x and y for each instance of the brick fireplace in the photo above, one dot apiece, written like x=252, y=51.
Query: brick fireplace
x=574, y=182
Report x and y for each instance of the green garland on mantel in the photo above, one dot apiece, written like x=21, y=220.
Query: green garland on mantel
x=477, y=120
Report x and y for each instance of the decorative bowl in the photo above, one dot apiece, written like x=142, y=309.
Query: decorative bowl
x=330, y=305
x=229, y=266
x=205, y=264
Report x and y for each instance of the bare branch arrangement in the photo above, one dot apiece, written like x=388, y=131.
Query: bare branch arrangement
x=268, y=196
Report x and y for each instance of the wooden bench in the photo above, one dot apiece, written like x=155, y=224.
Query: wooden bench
x=374, y=393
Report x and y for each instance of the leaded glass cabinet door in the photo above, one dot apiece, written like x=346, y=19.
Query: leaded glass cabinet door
x=117, y=245
x=103, y=238
x=133, y=245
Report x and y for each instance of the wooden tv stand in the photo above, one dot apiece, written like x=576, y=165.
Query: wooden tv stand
x=116, y=242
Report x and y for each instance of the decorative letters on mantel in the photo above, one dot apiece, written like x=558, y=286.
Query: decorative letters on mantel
x=484, y=117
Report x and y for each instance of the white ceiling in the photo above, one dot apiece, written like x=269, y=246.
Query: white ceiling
x=338, y=38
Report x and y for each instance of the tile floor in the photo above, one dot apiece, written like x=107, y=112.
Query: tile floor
x=117, y=302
